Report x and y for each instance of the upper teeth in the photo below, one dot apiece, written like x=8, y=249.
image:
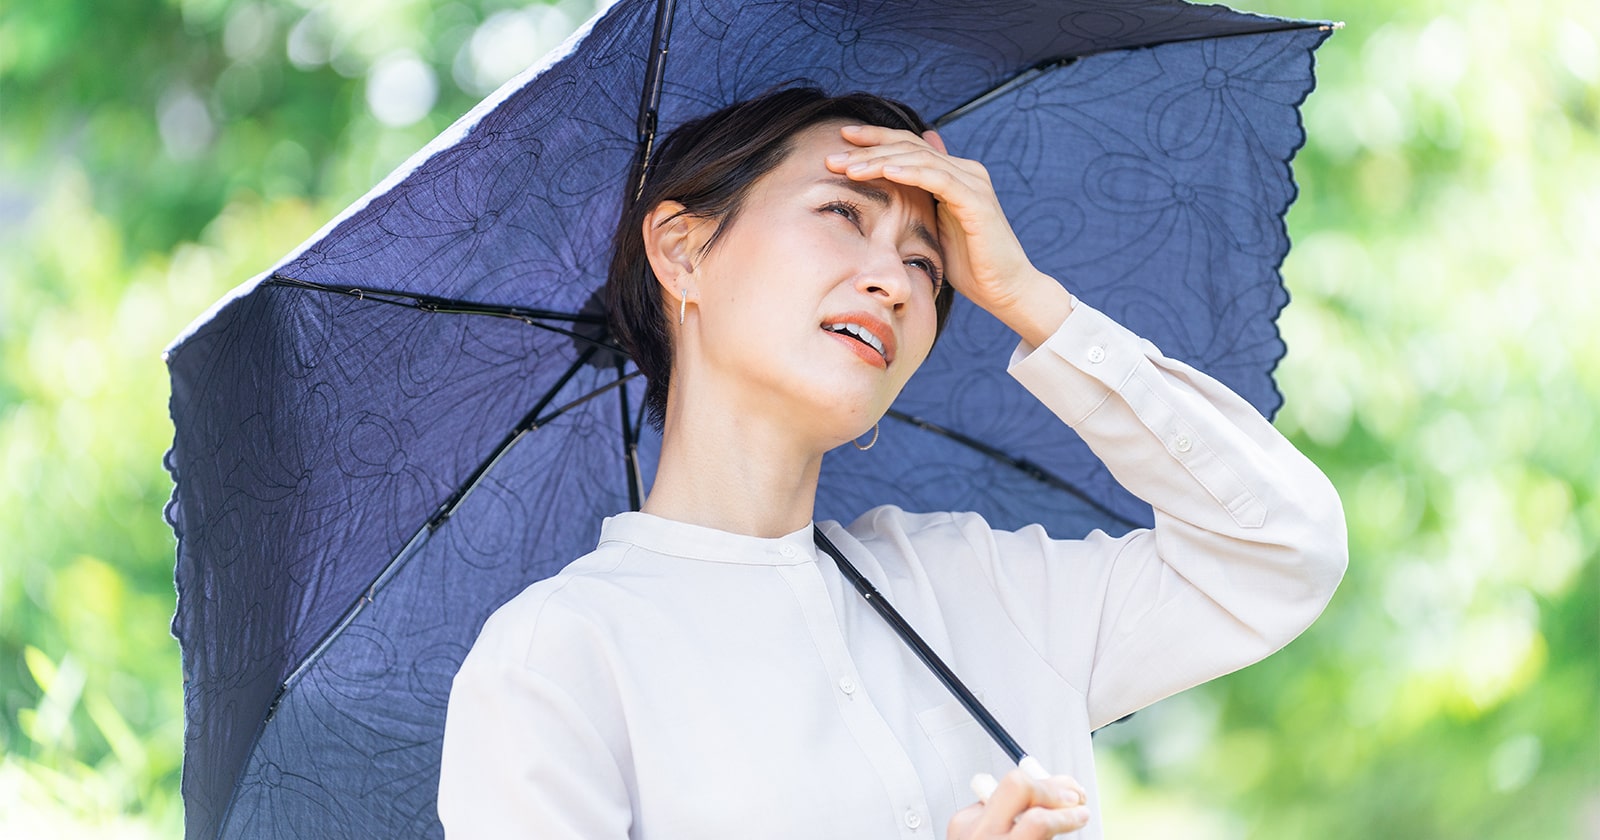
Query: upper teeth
x=859, y=332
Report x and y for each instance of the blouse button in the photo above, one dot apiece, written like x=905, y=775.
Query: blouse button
x=847, y=685
x=1182, y=443
x=913, y=819
x=1097, y=354
x=786, y=550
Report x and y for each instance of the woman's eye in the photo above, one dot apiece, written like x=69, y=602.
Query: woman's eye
x=844, y=210
x=927, y=267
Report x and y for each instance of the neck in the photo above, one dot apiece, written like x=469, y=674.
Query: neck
x=736, y=470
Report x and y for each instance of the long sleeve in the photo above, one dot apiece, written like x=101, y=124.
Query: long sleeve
x=1249, y=541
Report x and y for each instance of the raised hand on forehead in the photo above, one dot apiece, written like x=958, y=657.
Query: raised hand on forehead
x=983, y=258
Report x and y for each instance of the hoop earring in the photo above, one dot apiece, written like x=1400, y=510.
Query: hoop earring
x=870, y=443
x=683, y=304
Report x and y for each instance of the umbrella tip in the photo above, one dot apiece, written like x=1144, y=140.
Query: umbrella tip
x=1332, y=26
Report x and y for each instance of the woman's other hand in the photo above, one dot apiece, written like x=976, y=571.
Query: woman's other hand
x=1022, y=808
x=982, y=256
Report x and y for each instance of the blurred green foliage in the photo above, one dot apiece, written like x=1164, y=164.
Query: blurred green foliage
x=1443, y=368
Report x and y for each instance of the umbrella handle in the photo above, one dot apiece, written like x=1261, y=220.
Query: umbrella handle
x=870, y=594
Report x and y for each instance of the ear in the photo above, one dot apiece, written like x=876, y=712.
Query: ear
x=672, y=243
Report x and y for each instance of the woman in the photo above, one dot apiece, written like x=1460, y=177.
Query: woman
x=701, y=674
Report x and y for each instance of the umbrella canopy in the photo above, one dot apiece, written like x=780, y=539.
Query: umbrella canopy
x=418, y=413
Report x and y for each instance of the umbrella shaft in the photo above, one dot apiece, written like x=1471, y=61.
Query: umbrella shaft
x=903, y=629
x=650, y=98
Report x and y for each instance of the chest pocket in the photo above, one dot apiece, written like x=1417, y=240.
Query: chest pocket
x=962, y=745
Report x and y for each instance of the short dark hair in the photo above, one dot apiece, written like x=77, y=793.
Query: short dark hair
x=709, y=166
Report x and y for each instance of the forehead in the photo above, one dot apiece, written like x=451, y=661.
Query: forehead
x=822, y=138
x=804, y=166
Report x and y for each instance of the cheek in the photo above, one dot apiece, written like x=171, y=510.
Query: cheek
x=921, y=333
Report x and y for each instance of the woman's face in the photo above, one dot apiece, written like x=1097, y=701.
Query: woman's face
x=819, y=296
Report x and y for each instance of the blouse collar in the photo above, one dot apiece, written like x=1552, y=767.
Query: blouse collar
x=697, y=542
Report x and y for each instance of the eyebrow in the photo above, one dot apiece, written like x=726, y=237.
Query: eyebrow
x=881, y=197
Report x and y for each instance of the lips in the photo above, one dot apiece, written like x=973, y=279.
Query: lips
x=869, y=337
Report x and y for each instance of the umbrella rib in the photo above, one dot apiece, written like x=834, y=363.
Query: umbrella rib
x=616, y=383
x=1049, y=64
x=1022, y=465
x=366, y=598
x=433, y=303
x=638, y=423
x=528, y=423
x=452, y=306
x=630, y=446
x=532, y=421
x=1001, y=89
x=440, y=514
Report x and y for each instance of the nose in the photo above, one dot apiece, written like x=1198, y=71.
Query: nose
x=883, y=275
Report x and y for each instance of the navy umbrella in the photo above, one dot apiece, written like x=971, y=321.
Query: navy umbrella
x=419, y=412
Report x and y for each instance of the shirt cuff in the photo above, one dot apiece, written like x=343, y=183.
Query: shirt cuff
x=1087, y=358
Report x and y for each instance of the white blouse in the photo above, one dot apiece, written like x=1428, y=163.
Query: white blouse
x=683, y=682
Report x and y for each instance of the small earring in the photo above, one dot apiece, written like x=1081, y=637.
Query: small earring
x=870, y=443
x=683, y=304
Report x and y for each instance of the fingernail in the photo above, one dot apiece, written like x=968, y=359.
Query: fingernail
x=852, y=128
x=858, y=167
x=983, y=785
x=1081, y=814
x=838, y=157
x=1033, y=768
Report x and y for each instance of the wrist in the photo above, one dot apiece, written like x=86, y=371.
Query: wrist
x=1037, y=310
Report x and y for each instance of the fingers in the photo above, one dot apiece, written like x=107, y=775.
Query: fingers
x=888, y=146
x=963, y=186
x=951, y=187
x=983, y=258
x=872, y=135
x=1017, y=793
x=1055, y=803
x=1023, y=806
x=1049, y=822
x=963, y=822
x=1031, y=767
x=875, y=135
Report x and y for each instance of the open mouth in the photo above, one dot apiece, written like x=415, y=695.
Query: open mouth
x=861, y=334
